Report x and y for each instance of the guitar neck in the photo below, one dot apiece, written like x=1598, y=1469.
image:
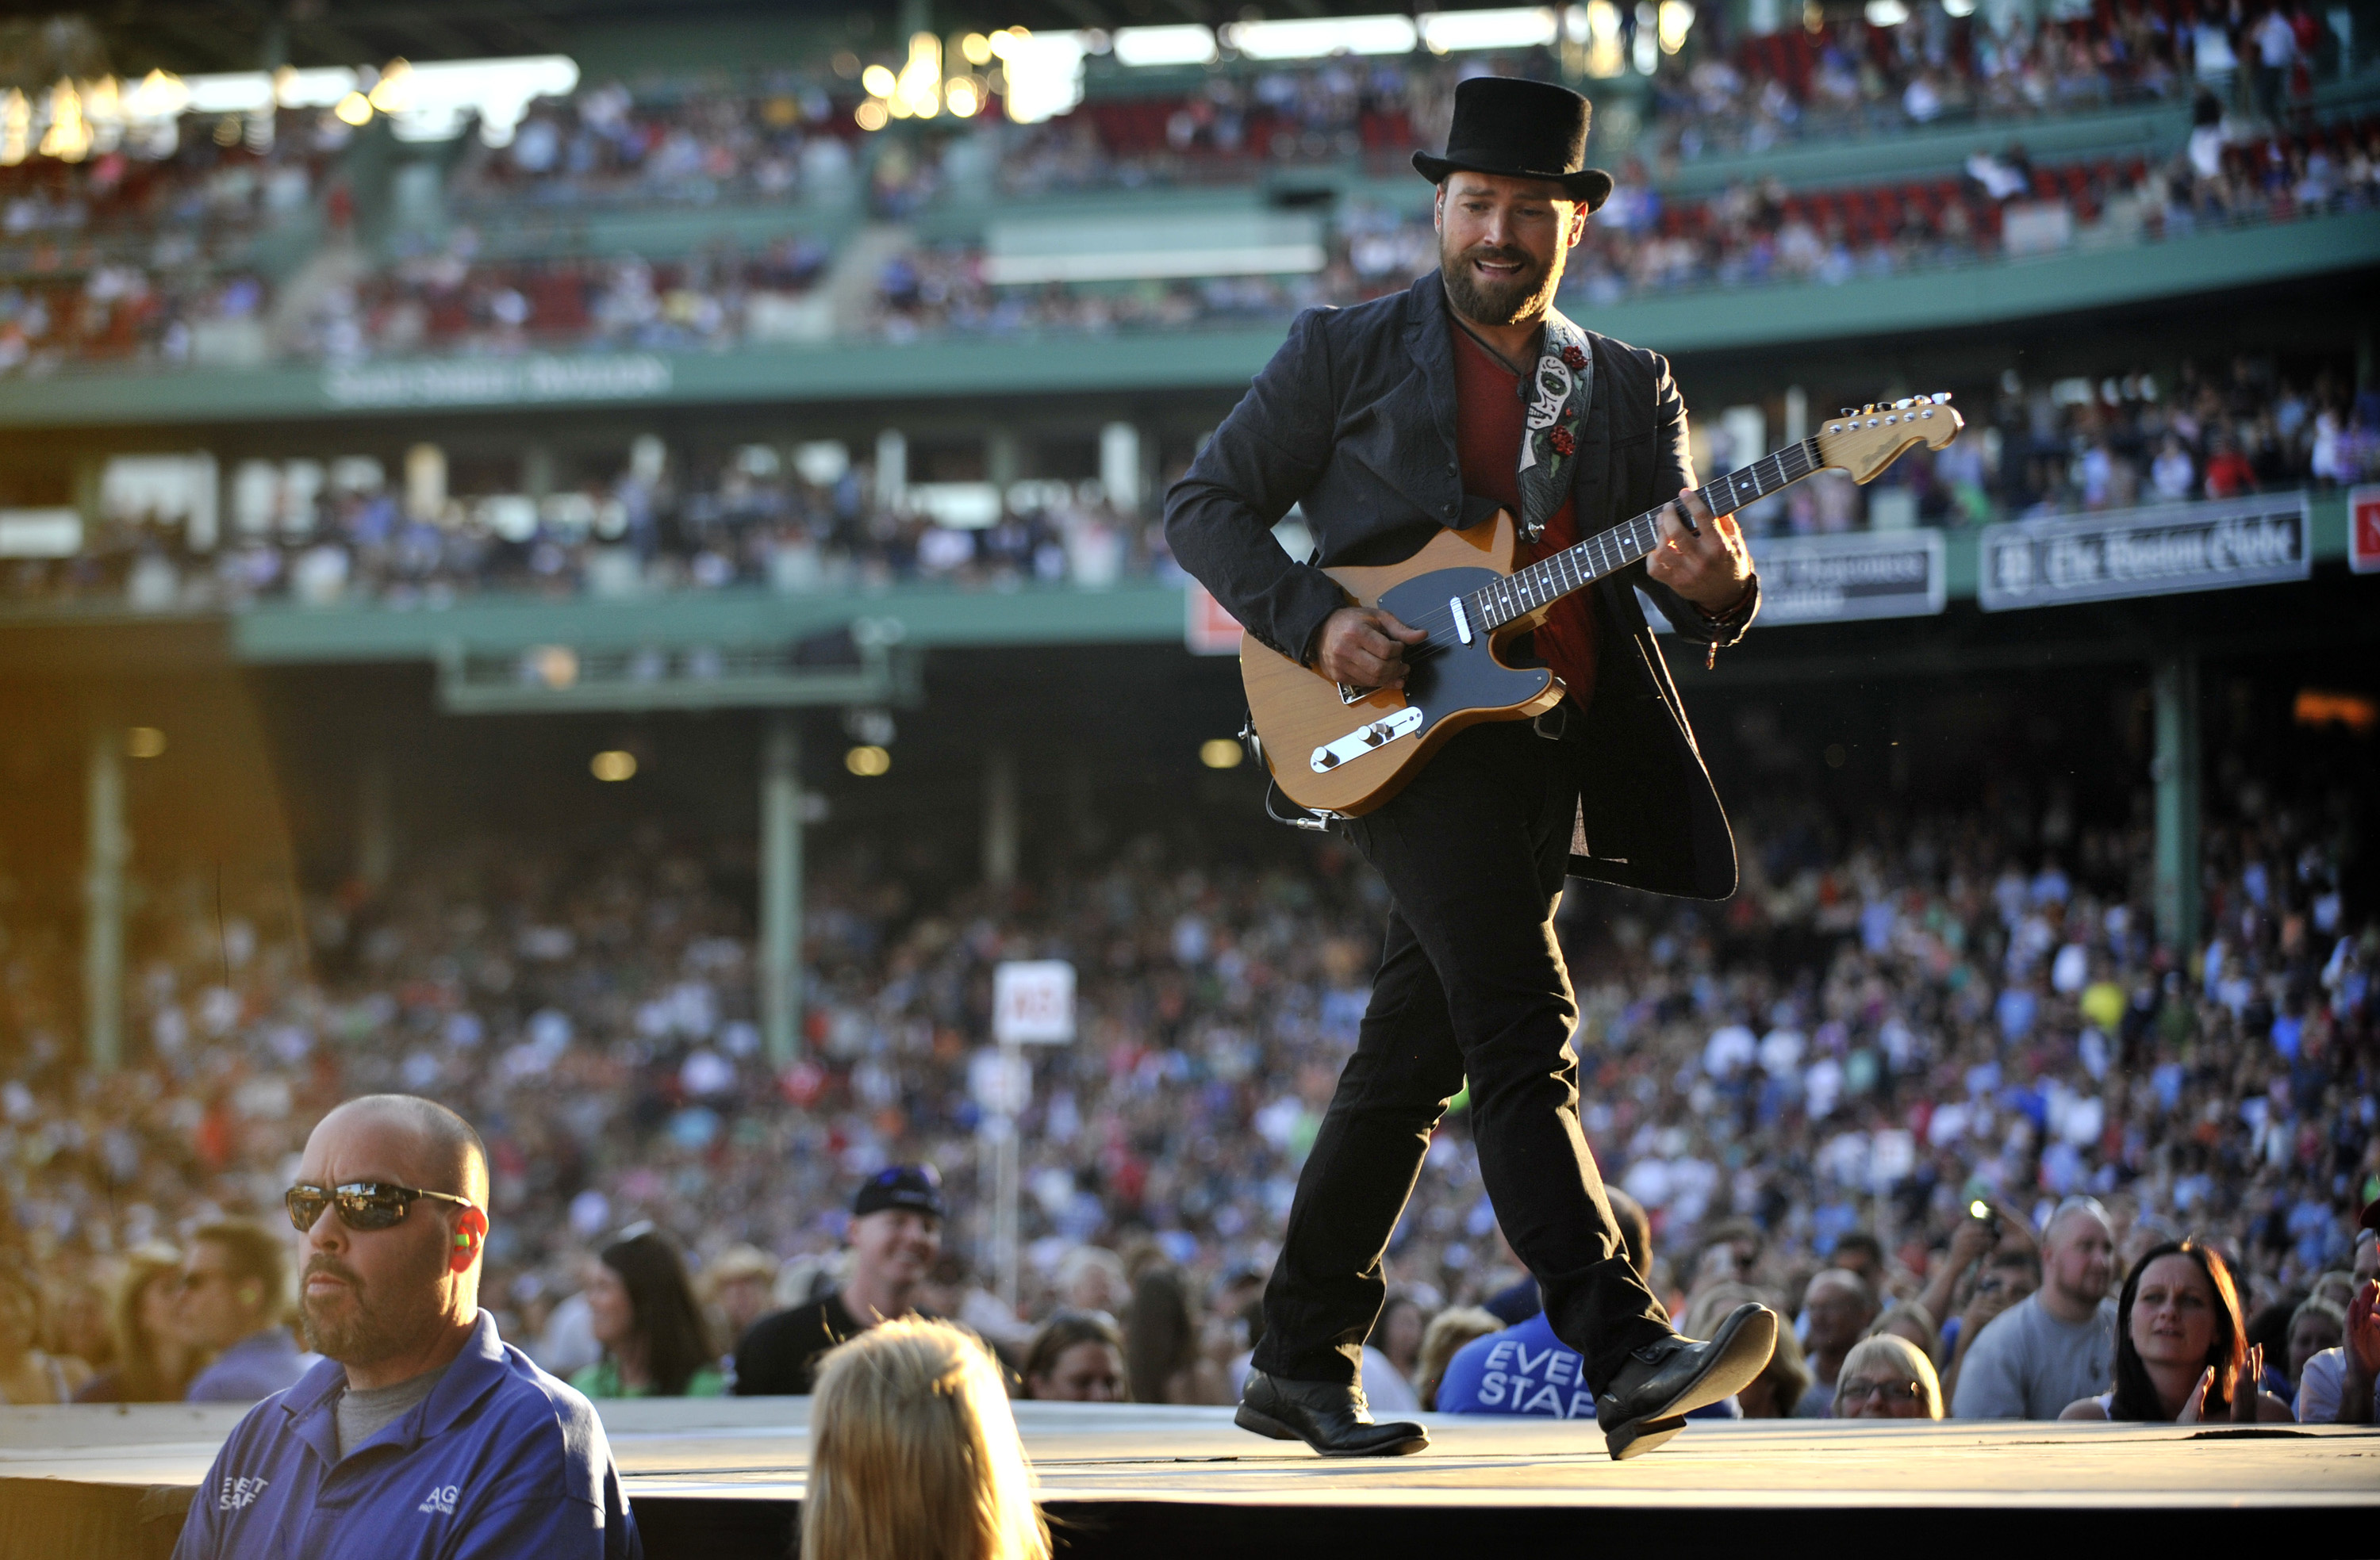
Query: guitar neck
x=1574, y=568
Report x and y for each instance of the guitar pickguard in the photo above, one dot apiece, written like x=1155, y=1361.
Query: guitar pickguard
x=1343, y=750
x=1458, y=677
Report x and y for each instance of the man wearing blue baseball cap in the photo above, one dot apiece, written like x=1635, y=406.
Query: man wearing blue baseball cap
x=895, y=1234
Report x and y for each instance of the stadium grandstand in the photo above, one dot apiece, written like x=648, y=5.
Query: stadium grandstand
x=606, y=564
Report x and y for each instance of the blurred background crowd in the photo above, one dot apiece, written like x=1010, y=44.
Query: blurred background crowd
x=234, y=242
x=1900, y=1018
x=762, y=518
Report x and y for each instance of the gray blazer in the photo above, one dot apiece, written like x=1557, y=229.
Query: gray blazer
x=1353, y=420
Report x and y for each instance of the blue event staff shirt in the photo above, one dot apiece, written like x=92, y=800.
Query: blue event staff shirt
x=502, y=1459
x=1527, y=1371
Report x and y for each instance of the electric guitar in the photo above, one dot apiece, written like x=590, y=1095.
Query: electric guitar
x=1340, y=751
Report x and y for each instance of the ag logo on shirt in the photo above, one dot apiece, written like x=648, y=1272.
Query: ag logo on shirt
x=441, y=1500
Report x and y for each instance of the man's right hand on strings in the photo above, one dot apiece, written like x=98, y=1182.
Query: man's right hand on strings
x=1363, y=648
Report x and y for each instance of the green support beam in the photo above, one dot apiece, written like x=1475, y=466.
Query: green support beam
x=108, y=852
x=781, y=891
x=2174, y=684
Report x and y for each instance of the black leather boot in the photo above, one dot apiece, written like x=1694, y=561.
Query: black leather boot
x=1332, y=1419
x=1664, y=1382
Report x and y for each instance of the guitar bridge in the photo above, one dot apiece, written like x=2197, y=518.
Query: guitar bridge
x=1363, y=739
x=1352, y=695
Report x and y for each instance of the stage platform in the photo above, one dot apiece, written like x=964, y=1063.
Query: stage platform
x=722, y=1479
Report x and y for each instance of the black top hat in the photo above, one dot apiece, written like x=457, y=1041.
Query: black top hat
x=1526, y=129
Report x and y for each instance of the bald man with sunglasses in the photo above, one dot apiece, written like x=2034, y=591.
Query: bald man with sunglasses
x=421, y=1433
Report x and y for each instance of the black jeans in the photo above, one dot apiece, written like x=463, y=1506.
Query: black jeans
x=1471, y=986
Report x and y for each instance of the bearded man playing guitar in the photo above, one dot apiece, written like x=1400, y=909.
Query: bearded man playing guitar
x=1437, y=408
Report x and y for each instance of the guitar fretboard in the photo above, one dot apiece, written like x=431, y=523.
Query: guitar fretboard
x=1574, y=568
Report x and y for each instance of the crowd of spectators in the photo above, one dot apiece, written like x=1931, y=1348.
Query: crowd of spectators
x=755, y=520
x=187, y=259
x=680, y=143
x=1720, y=93
x=123, y=257
x=1999, y=64
x=2208, y=432
x=1811, y=1093
x=449, y=299
x=763, y=518
x=1750, y=235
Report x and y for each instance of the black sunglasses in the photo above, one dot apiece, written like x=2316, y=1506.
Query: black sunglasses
x=363, y=1204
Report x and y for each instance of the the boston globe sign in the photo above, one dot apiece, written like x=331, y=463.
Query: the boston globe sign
x=2213, y=546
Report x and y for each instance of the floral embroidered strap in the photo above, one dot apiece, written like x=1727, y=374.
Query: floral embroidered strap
x=1559, y=394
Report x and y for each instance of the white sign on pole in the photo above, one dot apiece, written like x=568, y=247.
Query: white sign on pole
x=1033, y=1002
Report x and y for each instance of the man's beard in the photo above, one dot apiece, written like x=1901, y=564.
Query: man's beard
x=368, y=1331
x=1527, y=295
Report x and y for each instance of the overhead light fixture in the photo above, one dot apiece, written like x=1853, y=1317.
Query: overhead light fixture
x=1605, y=58
x=16, y=128
x=1040, y=72
x=1520, y=27
x=1676, y=20
x=614, y=764
x=1188, y=43
x=868, y=760
x=1219, y=753
x=2319, y=707
x=69, y=136
x=1312, y=37
x=1887, y=13
x=144, y=741
x=919, y=88
x=392, y=94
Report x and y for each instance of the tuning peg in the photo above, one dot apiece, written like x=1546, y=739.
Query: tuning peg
x=1941, y=398
x=1849, y=412
x=1904, y=404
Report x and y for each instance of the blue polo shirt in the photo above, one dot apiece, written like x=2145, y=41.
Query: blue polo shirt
x=1527, y=1371
x=499, y=1461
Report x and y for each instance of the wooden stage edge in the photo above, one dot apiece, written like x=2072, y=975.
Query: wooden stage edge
x=724, y=1478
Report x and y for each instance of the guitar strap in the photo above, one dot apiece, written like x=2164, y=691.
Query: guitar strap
x=1560, y=392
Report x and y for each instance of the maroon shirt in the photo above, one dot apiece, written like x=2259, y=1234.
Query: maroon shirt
x=1490, y=424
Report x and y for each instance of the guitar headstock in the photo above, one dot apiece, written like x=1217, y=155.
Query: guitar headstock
x=1864, y=440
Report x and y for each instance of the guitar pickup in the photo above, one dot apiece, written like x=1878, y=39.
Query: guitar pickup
x=1363, y=739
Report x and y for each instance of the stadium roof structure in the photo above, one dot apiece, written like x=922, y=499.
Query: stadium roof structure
x=188, y=35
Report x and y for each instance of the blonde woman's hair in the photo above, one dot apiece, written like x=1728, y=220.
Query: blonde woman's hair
x=1892, y=1352
x=1443, y=1339
x=914, y=1453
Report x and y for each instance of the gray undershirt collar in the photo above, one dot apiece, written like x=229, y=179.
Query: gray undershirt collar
x=364, y=1414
